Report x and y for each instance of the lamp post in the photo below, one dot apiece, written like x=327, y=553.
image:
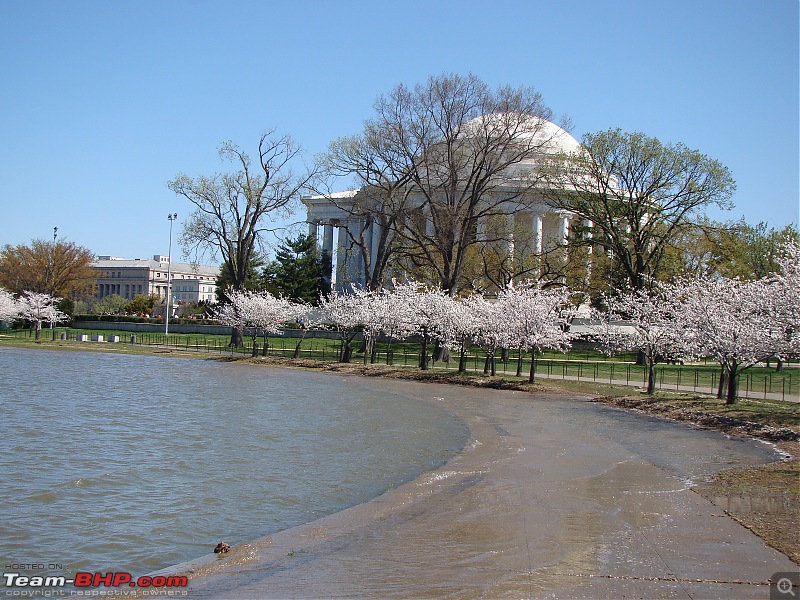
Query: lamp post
x=55, y=235
x=171, y=218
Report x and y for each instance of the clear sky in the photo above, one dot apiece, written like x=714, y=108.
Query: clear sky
x=102, y=102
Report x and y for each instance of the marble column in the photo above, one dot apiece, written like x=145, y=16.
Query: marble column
x=563, y=229
x=537, y=232
x=375, y=238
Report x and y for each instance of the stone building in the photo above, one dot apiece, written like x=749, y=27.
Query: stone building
x=129, y=278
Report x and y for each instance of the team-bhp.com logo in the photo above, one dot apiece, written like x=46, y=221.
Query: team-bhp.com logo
x=113, y=579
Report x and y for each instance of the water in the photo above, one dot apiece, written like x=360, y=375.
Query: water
x=135, y=463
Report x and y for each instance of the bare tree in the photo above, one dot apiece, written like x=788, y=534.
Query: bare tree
x=374, y=162
x=234, y=211
x=437, y=161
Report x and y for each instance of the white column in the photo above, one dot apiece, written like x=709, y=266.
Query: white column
x=509, y=233
x=563, y=229
x=327, y=238
x=588, y=224
x=537, y=232
x=312, y=228
x=374, y=244
x=341, y=257
x=589, y=236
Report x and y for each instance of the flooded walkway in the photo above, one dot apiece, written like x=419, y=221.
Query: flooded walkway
x=551, y=498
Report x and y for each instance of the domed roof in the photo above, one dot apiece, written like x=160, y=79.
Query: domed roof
x=542, y=137
x=545, y=135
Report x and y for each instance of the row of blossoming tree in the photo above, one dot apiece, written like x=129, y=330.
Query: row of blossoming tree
x=738, y=323
x=31, y=306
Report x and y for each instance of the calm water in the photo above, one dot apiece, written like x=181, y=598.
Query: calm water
x=135, y=463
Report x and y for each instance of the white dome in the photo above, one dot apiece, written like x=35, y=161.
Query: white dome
x=543, y=137
x=544, y=134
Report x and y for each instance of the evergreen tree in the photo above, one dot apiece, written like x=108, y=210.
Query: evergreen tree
x=298, y=272
x=251, y=282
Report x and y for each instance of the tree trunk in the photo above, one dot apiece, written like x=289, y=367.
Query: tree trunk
x=519, y=363
x=494, y=364
x=255, y=348
x=265, y=350
x=237, y=338
x=441, y=352
x=423, y=358
x=486, y=365
x=730, y=398
x=462, y=359
x=651, y=377
x=297, y=349
x=532, y=374
x=722, y=382
x=347, y=351
x=779, y=366
x=38, y=329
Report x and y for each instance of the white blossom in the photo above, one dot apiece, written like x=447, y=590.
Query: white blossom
x=733, y=321
x=39, y=308
x=9, y=309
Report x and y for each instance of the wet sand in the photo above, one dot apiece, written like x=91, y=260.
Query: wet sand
x=552, y=497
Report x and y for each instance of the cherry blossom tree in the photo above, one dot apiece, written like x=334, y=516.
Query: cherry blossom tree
x=261, y=311
x=459, y=325
x=344, y=313
x=37, y=308
x=9, y=309
x=428, y=316
x=785, y=296
x=535, y=320
x=492, y=329
x=733, y=321
x=645, y=321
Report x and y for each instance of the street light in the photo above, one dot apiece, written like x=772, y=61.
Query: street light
x=55, y=235
x=171, y=218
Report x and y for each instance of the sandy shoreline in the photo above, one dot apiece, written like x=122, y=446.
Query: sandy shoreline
x=551, y=497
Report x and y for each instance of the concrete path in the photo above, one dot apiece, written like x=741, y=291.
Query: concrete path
x=551, y=498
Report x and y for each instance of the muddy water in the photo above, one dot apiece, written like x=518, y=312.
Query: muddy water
x=551, y=497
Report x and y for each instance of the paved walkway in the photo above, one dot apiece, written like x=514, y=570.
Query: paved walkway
x=551, y=498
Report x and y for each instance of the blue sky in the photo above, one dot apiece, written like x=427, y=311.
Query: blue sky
x=103, y=102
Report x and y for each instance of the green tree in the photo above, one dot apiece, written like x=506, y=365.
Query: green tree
x=110, y=305
x=252, y=279
x=299, y=271
x=746, y=251
x=142, y=304
x=640, y=196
